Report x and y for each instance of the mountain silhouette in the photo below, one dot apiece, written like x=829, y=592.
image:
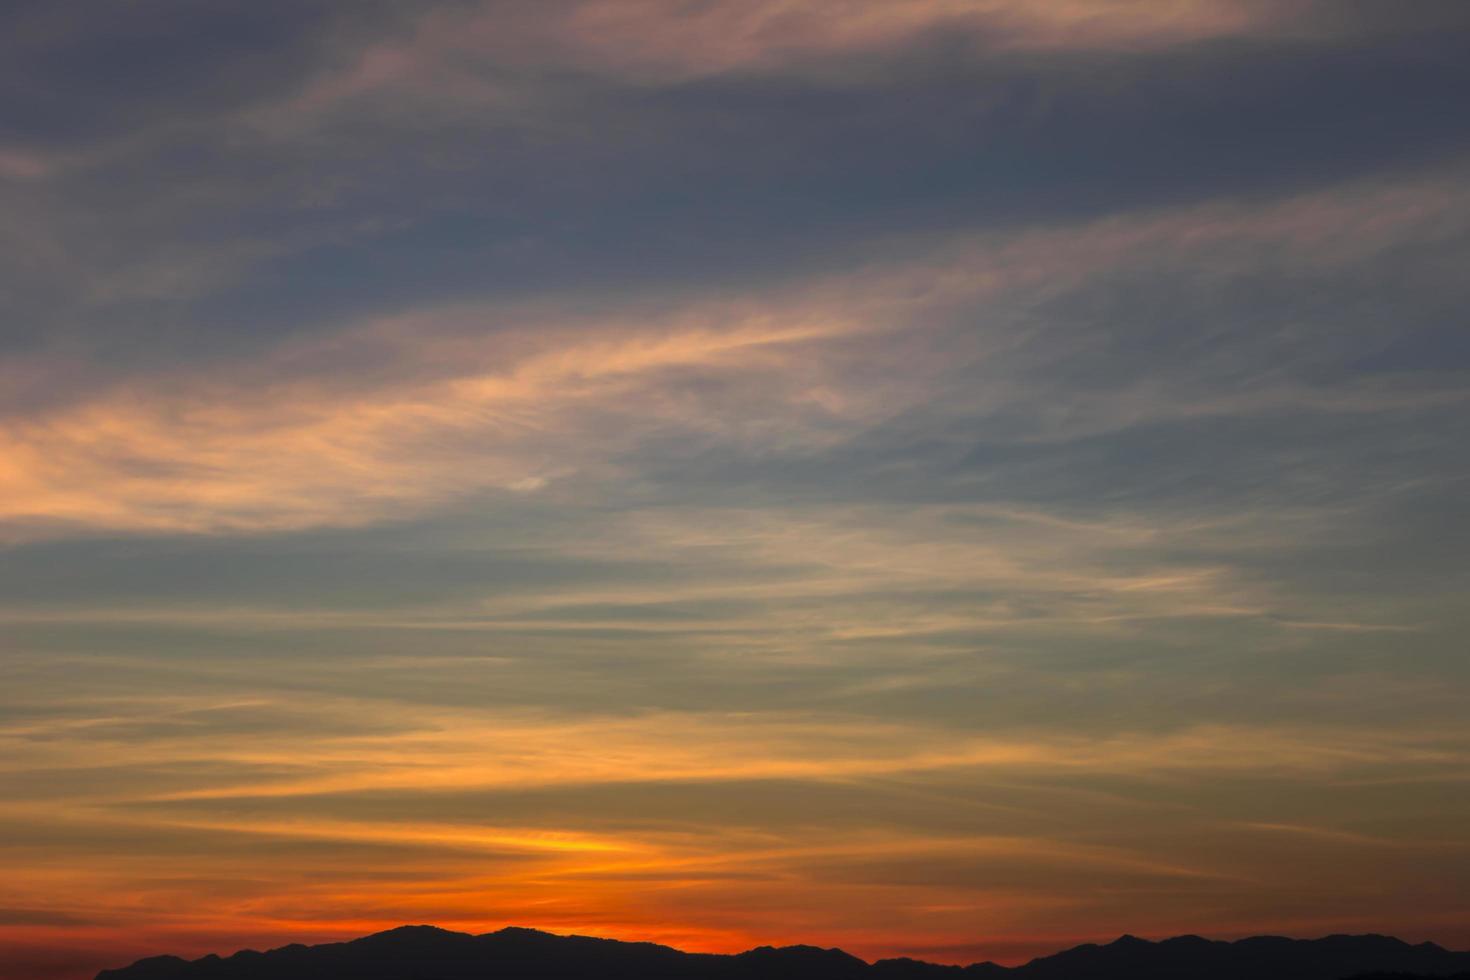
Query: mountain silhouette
x=429, y=953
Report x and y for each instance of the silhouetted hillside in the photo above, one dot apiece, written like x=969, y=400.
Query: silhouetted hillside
x=427, y=953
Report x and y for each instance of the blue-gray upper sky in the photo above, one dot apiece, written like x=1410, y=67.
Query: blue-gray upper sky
x=950, y=477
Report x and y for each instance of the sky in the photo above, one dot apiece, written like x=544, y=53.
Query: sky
x=955, y=478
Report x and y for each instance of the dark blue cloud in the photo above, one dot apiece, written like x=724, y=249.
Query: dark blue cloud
x=613, y=186
x=82, y=72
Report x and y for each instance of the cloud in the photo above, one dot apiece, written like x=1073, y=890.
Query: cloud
x=467, y=817
x=243, y=209
x=661, y=41
x=519, y=399
x=20, y=165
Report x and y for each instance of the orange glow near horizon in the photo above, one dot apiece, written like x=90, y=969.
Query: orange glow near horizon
x=672, y=830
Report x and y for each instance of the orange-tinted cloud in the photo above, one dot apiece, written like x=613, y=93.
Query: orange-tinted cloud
x=531, y=395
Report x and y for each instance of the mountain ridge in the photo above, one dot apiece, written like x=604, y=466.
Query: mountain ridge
x=423, y=952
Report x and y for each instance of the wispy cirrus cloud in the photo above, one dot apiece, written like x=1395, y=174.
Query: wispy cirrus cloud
x=462, y=815
x=534, y=395
x=658, y=41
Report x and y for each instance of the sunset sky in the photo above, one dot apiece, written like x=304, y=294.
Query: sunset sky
x=954, y=478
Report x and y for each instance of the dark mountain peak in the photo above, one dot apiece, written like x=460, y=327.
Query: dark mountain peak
x=1129, y=941
x=538, y=937
x=417, y=933
x=424, y=952
x=1179, y=942
x=800, y=949
x=522, y=932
